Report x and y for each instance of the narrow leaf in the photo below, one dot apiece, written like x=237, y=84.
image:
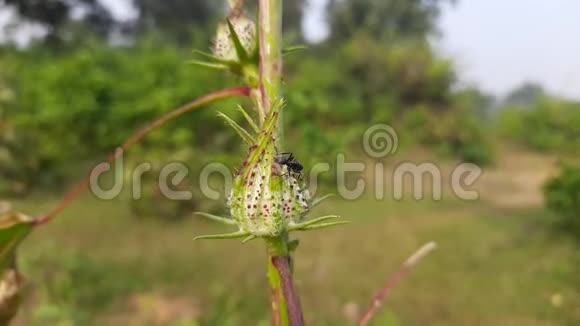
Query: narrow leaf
x=241, y=131
x=293, y=245
x=249, y=119
x=267, y=128
x=240, y=51
x=214, y=58
x=255, y=57
x=319, y=200
x=250, y=238
x=224, y=220
x=294, y=49
x=234, y=235
x=308, y=223
x=13, y=229
x=324, y=225
x=211, y=65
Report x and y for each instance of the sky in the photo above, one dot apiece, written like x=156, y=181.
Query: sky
x=498, y=44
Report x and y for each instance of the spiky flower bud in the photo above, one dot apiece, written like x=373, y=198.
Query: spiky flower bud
x=268, y=197
x=225, y=42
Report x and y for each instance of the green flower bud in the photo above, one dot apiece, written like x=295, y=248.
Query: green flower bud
x=224, y=46
x=270, y=199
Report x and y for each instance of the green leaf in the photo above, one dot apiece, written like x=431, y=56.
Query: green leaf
x=234, y=235
x=311, y=222
x=324, y=225
x=214, y=58
x=256, y=55
x=241, y=131
x=250, y=238
x=319, y=200
x=248, y=118
x=262, y=143
x=13, y=229
x=240, y=51
x=205, y=64
x=224, y=220
x=293, y=245
x=294, y=49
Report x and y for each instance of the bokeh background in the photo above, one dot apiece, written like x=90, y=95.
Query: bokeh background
x=494, y=83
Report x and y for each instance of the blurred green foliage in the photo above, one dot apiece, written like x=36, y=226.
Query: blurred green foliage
x=386, y=19
x=69, y=109
x=68, y=22
x=155, y=259
x=76, y=288
x=562, y=195
x=74, y=107
x=548, y=125
x=362, y=82
x=73, y=103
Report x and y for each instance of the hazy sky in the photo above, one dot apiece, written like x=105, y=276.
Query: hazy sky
x=498, y=44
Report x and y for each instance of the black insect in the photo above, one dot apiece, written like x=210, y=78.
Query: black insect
x=290, y=161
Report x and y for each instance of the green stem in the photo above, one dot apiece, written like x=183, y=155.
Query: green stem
x=278, y=306
x=285, y=306
x=270, y=20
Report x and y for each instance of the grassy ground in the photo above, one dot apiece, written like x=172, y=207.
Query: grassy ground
x=495, y=265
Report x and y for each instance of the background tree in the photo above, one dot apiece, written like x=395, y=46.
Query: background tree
x=525, y=95
x=65, y=20
x=292, y=19
x=383, y=19
x=176, y=19
x=57, y=16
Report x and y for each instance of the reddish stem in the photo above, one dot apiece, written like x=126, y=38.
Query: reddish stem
x=282, y=264
x=138, y=135
x=392, y=281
